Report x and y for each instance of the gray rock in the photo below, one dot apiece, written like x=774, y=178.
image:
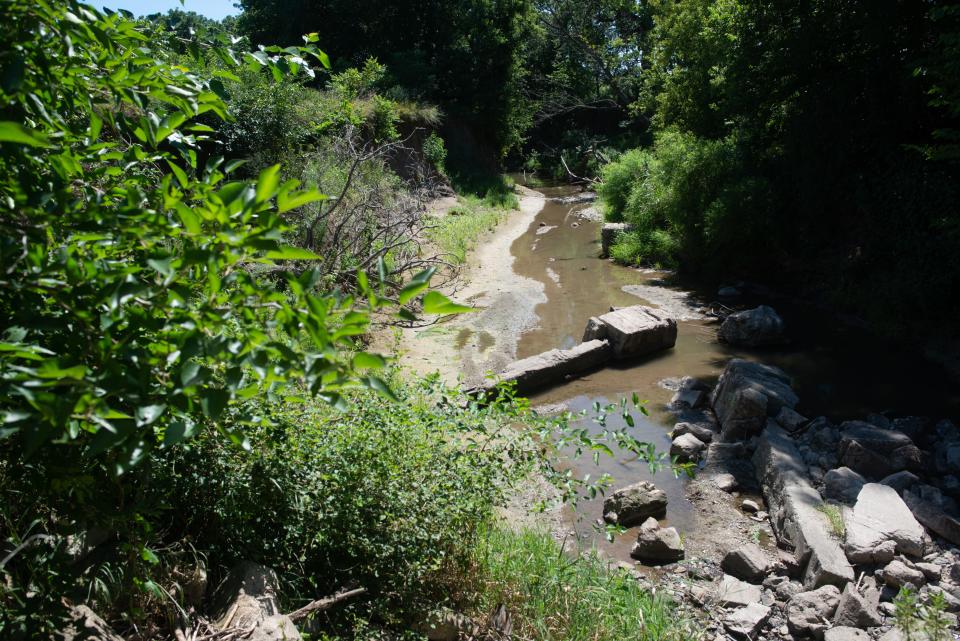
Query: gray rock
x=880, y=515
x=687, y=448
x=634, y=331
x=862, y=460
x=856, y=610
x=898, y=574
x=810, y=613
x=732, y=592
x=933, y=518
x=912, y=426
x=656, y=544
x=747, y=562
x=790, y=419
x=702, y=432
x=793, y=503
x=83, y=624
x=931, y=571
x=893, y=634
x=749, y=506
x=746, y=623
x=758, y=327
x=746, y=394
x=553, y=366
x=909, y=457
x=726, y=482
x=688, y=397
x=608, y=235
x=634, y=504
x=842, y=485
x=845, y=633
x=901, y=481
x=874, y=438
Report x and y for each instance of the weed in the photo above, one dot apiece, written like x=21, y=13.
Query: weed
x=835, y=517
x=555, y=596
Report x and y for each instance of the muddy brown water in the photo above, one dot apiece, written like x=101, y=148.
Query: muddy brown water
x=838, y=373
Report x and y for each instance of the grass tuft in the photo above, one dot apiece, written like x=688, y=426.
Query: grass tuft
x=835, y=517
x=554, y=596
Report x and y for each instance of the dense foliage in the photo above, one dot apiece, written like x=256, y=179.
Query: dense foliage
x=155, y=319
x=807, y=140
x=464, y=55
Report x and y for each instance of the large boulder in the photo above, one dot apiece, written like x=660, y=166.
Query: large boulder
x=747, y=394
x=656, y=544
x=608, y=236
x=810, y=613
x=845, y=633
x=633, y=331
x=702, y=432
x=898, y=574
x=884, y=441
x=880, y=515
x=554, y=366
x=747, y=562
x=83, y=624
x=856, y=610
x=732, y=592
x=747, y=622
x=634, y=504
x=687, y=448
x=759, y=327
x=794, y=512
x=933, y=517
x=842, y=485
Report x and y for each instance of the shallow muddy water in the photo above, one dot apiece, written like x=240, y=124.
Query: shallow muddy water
x=836, y=371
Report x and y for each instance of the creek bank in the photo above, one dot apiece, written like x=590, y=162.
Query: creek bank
x=846, y=541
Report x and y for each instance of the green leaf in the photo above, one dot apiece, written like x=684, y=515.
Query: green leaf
x=16, y=133
x=416, y=285
x=366, y=360
x=267, y=183
x=148, y=414
x=381, y=388
x=291, y=200
x=288, y=252
x=437, y=303
x=178, y=431
x=180, y=174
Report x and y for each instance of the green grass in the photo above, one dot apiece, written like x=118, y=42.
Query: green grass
x=456, y=233
x=835, y=517
x=554, y=596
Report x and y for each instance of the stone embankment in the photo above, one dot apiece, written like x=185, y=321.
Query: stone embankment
x=858, y=510
x=626, y=333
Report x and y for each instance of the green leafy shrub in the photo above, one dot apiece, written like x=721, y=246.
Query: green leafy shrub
x=383, y=120
x=435, y=151
x=148, y=296
x=619, y=179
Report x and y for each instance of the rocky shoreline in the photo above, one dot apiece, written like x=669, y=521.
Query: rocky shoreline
x=858, y=511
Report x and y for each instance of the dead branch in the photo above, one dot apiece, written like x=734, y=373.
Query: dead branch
x=325, y=603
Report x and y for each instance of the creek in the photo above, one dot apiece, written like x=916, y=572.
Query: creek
x=838, y=371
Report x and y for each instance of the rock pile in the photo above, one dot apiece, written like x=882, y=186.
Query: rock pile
x=859, y=510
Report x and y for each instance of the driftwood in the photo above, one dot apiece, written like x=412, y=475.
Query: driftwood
x=325, y=603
